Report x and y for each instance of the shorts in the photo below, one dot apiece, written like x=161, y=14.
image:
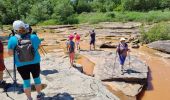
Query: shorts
x=122, y=59
x=25, y=71
x=92, y=42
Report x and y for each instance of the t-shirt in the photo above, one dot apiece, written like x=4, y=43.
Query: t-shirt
x=122, y=49
x=12, y=43
x=77, y=37
x=92, y=35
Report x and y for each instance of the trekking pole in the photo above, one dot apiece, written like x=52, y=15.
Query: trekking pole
x=130, y=67
x=15, y=80
x=9, y=74
x=43, y=49
x=114, y=63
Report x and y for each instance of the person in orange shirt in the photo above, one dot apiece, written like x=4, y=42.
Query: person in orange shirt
x=77, y=40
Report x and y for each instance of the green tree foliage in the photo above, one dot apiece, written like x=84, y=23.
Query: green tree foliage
x=66, y=11
x=140, y=5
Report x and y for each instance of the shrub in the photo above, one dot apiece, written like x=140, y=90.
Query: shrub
x=160, y=31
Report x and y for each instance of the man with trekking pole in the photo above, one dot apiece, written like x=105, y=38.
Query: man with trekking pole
x=122, y=51
x=24, y=48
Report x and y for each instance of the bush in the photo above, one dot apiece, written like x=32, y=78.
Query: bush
x=160, y=31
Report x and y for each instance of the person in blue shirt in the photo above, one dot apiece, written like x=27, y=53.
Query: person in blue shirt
x=28, y=67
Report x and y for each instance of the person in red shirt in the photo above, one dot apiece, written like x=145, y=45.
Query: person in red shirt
x=2, y=65
x=77, y=40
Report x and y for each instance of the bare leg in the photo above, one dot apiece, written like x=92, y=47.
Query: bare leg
x=38, y=88
x=94, y=46
x=28, y=93
x=122, y=70
x=1, y=75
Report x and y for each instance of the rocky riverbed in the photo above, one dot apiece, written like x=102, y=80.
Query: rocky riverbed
x=100, y=79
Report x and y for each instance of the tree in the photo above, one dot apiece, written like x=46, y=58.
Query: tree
x=63, y=12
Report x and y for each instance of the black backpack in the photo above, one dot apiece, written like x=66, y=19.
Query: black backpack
x=24, y=49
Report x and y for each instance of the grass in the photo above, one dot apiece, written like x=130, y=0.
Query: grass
x=48, y=22
x=147, y=17
x=93, y=18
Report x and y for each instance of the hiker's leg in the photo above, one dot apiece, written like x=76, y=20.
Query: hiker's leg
x=27, y=88
x=122, y=61
x=94, y=45
x=1, y=75
x=72, y=58
x=24, y=71
x=35, y=71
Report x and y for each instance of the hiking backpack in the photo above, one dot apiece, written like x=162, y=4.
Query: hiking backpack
x=24, y=49
x=71, y=46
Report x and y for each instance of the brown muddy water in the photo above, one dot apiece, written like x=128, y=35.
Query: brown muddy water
x=158, y=79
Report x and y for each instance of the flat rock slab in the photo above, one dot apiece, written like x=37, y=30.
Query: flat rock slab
x=163, y=46
x=107, y=67
x=63, y=82
x=126, y=88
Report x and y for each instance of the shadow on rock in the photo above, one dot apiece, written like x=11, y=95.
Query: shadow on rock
x=130, y=71
x=47, y=72
x=60, y=96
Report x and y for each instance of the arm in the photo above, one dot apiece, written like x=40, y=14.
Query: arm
x=12, y=42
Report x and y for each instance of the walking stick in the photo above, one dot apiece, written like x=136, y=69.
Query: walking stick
x=14, y=69
x=43, y=49
x=130, y=67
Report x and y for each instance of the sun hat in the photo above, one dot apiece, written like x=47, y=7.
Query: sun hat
x=18, y=24
x=71, y=37
x=122, y=39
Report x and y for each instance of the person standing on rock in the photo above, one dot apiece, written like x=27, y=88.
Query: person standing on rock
x=92, y=38
x=2, y=65
x=122, y=50
x=77, y=40
x=71, y=48
x=24, y=46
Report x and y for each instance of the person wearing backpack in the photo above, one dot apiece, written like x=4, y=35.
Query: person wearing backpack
x=2, y=65
x=25, y=46
x=77, y=40
x=122, y=50
x=71, y=48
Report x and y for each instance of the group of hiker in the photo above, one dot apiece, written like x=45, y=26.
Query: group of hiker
x=73, y=42
x=24, y=45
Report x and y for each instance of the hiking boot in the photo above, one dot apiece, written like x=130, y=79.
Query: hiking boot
x=40, y=96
